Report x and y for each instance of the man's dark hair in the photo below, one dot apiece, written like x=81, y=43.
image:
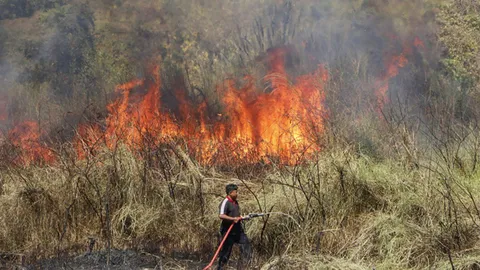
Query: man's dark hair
x=230, y=187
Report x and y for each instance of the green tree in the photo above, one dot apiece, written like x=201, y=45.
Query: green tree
x=460, y=34
x=63, y=59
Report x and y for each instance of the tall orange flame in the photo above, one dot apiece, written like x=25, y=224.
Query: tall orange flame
x=284, y=123
x=393, y=64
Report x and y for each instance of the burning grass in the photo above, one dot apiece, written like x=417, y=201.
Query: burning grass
x=253, y=125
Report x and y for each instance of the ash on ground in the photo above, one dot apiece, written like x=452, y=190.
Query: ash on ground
x=119, y=260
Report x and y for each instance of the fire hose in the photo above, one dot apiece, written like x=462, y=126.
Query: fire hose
x=247, y=217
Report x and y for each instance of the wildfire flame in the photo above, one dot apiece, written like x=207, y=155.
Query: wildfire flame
x=419, y=43
x=284, y=123
x=26, y=138
x=393, y=64
x=89, y=140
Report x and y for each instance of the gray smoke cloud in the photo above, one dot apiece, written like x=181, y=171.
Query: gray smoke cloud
x=8, y=76
x=208, y=41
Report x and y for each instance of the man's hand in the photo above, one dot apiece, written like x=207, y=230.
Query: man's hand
x=234, y=219
x=247, y=217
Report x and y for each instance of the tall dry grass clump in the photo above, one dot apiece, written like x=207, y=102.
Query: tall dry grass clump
x=115, y=198
x=346, y=210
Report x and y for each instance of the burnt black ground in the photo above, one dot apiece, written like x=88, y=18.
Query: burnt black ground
x=119, y=260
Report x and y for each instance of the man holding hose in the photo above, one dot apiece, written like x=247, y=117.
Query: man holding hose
x=230, y=213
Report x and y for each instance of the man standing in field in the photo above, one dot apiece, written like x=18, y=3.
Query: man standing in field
x=230, y=213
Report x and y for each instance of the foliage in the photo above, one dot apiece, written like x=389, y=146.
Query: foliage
x=11, y=9
x=460, y=32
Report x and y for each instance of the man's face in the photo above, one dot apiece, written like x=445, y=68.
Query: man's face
x=233, y=194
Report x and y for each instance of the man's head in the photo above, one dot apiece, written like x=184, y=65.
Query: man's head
x=231, y=190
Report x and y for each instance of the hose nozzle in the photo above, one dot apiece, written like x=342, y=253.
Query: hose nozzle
x=254, y=215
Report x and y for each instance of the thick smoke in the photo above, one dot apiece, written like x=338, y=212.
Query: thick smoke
x=7, y=78
x=377, y=53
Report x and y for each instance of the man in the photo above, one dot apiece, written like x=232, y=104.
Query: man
x=230, y=213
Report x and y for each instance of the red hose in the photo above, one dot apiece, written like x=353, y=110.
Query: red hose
x=219, y=247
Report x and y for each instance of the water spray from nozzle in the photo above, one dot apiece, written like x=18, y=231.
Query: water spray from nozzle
x=254, y=215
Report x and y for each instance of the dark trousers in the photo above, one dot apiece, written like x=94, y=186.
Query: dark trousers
x=241, y=239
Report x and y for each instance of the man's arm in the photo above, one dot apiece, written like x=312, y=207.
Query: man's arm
x=225, y=217
x=224, y=209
